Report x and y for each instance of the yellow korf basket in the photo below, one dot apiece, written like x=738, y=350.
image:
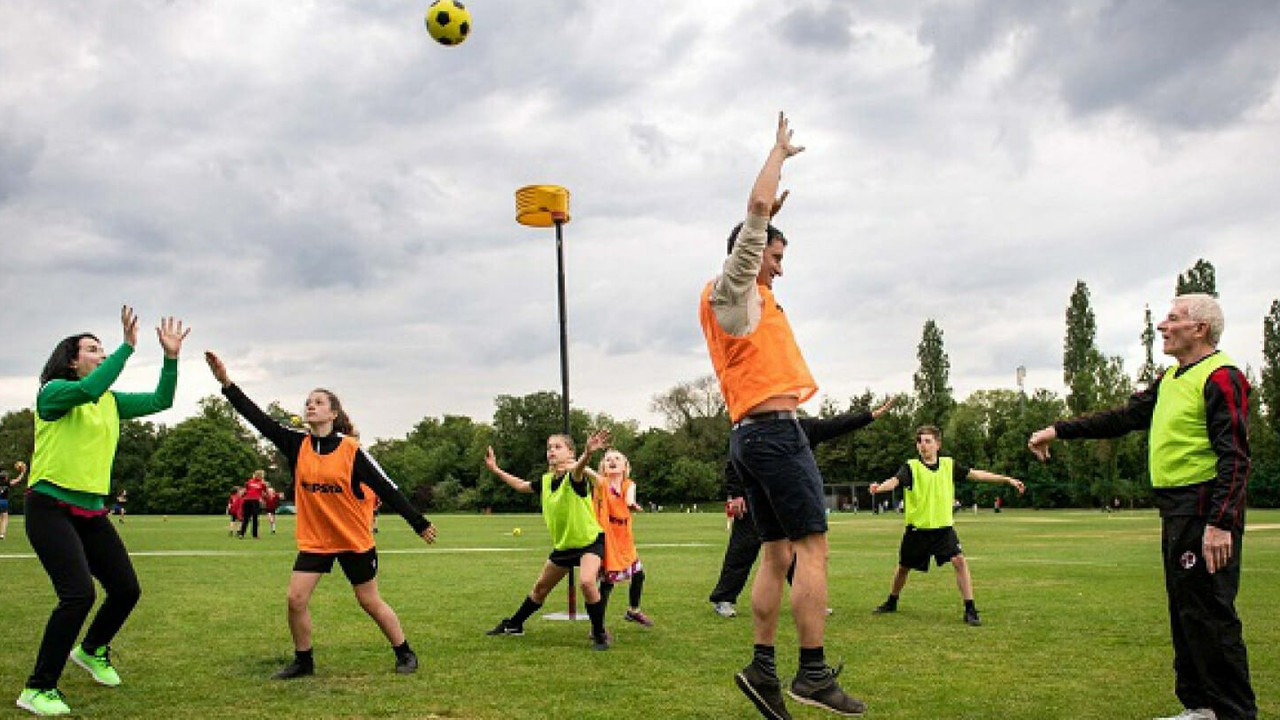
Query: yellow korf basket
x=542, y=205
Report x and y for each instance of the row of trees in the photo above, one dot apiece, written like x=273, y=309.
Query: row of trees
x=192, y=466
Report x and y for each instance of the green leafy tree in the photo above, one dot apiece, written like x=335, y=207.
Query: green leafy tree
x=138, y=443
x=1148, y=372
x=1080, y=358
x=199, y=461
x=1200, y=278
x=1264, y=448
x=933, y=393
x=1269, y=388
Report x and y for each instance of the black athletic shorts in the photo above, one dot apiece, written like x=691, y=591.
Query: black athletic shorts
x=359, y=568
x=781, y=479
x=918, y=546
x=572, y=556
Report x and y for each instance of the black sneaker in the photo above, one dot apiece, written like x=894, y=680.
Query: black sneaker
x=764, y=691
x=506, y=627
x=971, y=617
x=295, y=669
x=601, y=641
x=885, y=607
x=826, y=694
x=407, y=664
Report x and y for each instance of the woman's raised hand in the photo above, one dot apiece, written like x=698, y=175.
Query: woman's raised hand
x=216, y=367
x=171, y=335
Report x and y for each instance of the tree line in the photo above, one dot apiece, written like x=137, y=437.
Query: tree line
x=192, y=466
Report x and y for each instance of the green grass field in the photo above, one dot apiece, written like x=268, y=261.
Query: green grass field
x=1072, y=601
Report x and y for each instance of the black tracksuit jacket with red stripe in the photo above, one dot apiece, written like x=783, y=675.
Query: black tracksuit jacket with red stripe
x=1220, y=499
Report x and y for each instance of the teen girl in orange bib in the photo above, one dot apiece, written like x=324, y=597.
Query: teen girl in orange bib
x=335, y=514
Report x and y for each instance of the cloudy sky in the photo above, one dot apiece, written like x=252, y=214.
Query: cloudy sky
x=326, y=195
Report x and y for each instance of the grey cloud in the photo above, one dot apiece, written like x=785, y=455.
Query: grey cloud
x=825, y=27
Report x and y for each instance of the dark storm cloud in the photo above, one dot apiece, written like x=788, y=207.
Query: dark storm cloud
x=1180, y=65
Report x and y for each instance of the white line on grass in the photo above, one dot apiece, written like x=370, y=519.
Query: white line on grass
x=405, y=551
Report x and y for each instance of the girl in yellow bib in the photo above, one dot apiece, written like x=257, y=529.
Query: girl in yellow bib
x=615, y=500
x=576, y=537
x=77, y=427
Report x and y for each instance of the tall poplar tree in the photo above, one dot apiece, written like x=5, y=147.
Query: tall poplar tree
x=1270, y=385
x=1147, y=373
x=932, y=391
x=1201, y=278
x=1081, y=361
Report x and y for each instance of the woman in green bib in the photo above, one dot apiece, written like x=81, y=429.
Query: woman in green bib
x=77, y=426
x=576, y=538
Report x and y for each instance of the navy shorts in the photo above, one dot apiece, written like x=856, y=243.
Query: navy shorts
x=571, y=557
x=359, y=568
x=918, y=546
x=4, y=506
x=783, y=485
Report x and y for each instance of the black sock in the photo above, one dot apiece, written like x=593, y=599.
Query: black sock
x=606, y=589
x=813, y=663
x=527, y=608
x=968, y=605
x=304, y=657
x=764, y=660
x=637, y=587
x=595, y=611
x=402, y=649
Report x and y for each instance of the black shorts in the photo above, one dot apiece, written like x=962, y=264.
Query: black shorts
x=918, y=546
x=359, y=568
x=571, y=557
x=781, y=478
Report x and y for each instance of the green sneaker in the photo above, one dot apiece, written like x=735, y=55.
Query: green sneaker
x=98, y=664
x=43, y=702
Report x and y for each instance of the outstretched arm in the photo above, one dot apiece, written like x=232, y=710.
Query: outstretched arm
x=21, y=467
x=598, y=441
x=517, y=484
x=886, y=486
x=990, y=477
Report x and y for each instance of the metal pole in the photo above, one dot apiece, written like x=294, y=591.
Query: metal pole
x=564, y=328
x=564, y=378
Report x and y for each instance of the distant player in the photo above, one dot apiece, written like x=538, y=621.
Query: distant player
x=5, y=485
x=270, y=504
x=928, y=492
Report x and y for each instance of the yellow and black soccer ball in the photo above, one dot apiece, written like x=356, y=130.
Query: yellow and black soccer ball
x=448, y=22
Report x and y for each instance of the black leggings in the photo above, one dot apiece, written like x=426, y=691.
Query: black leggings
x=73, y=551
x=250, y=512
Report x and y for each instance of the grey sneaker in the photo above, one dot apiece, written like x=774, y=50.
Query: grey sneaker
x=724, y=609
x=1193, y=714
x=971, y=617
x=826, y=694
x=407, y=664
x=885, y=607
x=764, y=691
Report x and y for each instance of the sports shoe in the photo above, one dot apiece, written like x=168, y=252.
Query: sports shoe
x=407, y=664
x=638, y=617
x=601, y=641
x=826, y=694
x=297, y=669
x=1193, y=714
x=885, y=607
x=725, y=609
x=98, y=664
x=43, y=702
x=971, y=617
x=763, y=691
x=506, y=627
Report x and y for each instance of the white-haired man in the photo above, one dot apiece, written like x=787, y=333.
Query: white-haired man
x=1196, y=413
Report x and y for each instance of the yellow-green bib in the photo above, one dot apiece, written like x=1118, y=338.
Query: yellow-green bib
x=928, y=501
x=76, y=451
x=570, y=518
x=1180, y=451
